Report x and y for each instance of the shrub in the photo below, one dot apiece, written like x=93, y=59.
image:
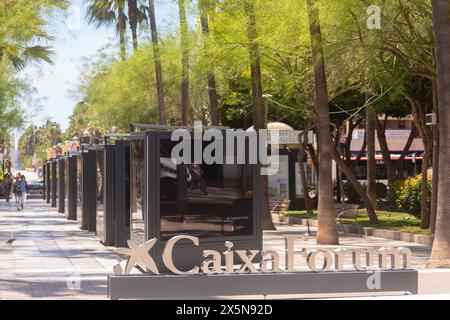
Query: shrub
x=407, y=194
x=393, y=193
x=381, y=190
x=353, y=196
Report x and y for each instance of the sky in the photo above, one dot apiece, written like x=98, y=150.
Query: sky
x=75, y=40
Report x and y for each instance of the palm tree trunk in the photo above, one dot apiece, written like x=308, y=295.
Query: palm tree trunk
x=259, y=121
x=303, y=140
x=122, y=30
x=435, y=178
x=358, y=187
x=424, y=201
x=184, y=63
x=132, y=16
x=158, y=68
x=212, y=86
x=401, y=160
x=371, y=163
x=440, y=254
x=327, y=228
x=390, y=167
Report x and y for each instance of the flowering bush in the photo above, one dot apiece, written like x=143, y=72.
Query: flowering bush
x=406, y=194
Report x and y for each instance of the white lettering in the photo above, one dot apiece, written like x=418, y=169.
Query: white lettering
x=167, y=254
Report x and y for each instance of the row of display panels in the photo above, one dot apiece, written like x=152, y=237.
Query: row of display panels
x=131, y=189
x=84, y=186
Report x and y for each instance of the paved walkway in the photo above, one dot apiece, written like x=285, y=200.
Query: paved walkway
x=52, y=258
x=275, y=240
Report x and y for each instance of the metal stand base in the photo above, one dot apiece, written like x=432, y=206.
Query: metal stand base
x=201, y=286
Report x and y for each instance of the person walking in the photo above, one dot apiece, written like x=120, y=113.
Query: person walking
x=16, y=190
x=7, y=184
x=23, y=186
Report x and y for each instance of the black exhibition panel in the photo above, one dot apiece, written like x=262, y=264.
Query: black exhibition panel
x=72, y=187
x=54, y=182
x=48, y=180
x=80, y=188
x=105, y=189
x=105, y=218
x=215, y=202
x=44, y=180
x=66, y=185
x=98, y=151
x=61, y=184
x=109, y=193
x=122, y=193
x=87, y=189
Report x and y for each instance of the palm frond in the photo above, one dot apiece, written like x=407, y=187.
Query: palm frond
x=101, y=13
x=17, y=62
x=38, y=54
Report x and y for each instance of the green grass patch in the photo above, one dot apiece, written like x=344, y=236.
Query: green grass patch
x=391, y=220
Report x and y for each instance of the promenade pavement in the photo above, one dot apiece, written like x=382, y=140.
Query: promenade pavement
x=51, y=258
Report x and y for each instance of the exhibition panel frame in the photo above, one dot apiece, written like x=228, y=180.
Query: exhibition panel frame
x=86, y=189
x=121, y=193
x=113, y=190
x=220, y=205
x=107, y=234
x=96, y=217
x=72, y=186
x=104, y=190
x=54, y=182
x=61, y=163
x=48, y=181
x=44, y=181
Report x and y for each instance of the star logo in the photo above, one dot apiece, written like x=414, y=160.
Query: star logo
x=138, y=254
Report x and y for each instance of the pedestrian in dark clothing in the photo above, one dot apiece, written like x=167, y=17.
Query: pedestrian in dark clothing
x=7, y=184
x=16, y=190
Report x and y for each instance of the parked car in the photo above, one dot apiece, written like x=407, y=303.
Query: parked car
x=35, y=189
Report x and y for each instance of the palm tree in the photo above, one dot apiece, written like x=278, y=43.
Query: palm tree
x=19, y=55
x=259, y=121
x=184, y=63
x=133, y=19
x=204, y=7
x=326, y=229
x=440, y=254
x=107, y=13
x=21, y=35
x=157, y=59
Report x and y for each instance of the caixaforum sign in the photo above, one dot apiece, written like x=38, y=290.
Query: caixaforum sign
x=268, y=261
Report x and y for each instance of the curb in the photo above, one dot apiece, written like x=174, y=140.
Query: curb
x=367, y=231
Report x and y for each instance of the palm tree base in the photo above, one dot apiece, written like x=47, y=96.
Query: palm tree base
x=268, y=225
x=438, y=264
x=328, y=243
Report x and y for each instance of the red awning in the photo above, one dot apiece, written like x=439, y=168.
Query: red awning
x=393, y=157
